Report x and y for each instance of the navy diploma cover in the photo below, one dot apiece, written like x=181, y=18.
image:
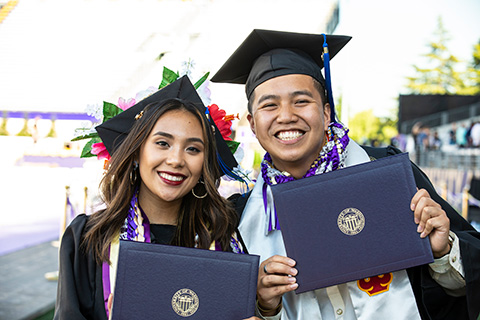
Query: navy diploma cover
x=157, y=281
x=351, y=223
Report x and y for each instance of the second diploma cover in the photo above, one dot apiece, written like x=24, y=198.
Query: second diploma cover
x=351, y=223
x=157, y=281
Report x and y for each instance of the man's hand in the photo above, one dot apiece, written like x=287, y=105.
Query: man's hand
x=275, y=277
x=432, y=221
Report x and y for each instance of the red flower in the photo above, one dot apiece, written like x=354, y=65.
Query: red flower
x=100, y=151
x=218, y=116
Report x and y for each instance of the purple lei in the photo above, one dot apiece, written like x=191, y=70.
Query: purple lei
x=128, y=231
x=328, y=160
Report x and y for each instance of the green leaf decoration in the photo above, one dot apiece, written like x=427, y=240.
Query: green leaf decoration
x=86, y=152
x=169, y=76
x=201, y=80
x=110, y=110
x=232, y=145
x=87, y=136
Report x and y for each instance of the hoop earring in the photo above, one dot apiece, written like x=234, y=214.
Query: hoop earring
x=199, y=197
x=133, y=173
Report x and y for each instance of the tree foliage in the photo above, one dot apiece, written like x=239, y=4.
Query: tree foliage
x=442, y=72
x=473, y=72
x=365, y=128
x=440, y=75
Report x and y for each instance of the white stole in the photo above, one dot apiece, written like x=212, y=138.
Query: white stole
x=396, y=303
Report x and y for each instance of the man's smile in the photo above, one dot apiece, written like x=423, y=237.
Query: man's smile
x=289, y=135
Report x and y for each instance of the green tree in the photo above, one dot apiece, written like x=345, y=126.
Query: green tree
x=366, y=127
x=472, y=80
x=440, y=76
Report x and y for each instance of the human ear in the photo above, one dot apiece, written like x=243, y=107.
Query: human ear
x=252, y=123
x=326, y=116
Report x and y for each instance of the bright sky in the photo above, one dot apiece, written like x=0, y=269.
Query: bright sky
x=388, y=38
x=58, y=55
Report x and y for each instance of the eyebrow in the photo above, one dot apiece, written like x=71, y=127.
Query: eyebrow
x=300, y=93
x=292, y=95
x=267, y=97
x=169, y=136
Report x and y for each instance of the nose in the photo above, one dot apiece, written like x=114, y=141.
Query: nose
x=175, y=157
x=286, y=113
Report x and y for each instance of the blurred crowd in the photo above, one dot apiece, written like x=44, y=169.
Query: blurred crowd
x=465, y=136
x=425, y=138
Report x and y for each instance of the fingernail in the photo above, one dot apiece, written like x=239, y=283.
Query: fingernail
x=292, y=279
x=412, y=207
x=419, y=228
x=423, y=235
x=294, y=286
x=293, y=271
x=291, y=262
x=416, y=220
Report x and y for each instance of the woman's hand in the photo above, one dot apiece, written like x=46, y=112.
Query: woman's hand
x=432, y=221
x=275, y=277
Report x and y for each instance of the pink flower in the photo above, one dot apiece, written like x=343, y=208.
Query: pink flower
x=100, y=151
x=124, y=105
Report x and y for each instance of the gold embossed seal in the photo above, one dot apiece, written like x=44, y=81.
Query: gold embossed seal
x=351, y=221
x=185, y=302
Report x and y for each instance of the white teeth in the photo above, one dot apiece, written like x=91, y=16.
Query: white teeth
x=289, y=135
x=170, y=177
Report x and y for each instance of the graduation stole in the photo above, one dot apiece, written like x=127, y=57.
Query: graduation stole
x=331, y=157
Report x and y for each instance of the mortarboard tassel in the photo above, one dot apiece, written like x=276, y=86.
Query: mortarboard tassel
x=230, y=174
x=328, y=81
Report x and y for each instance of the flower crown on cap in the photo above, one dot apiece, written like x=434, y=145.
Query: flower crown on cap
x=96, y=148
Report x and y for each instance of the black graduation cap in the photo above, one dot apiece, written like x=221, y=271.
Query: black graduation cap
x=267, y=54
x=114, y=131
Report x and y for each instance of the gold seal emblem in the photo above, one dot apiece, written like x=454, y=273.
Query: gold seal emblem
x=185, y=302
x=351, y=221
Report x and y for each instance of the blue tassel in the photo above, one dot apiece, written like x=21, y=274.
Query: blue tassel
x=229, y=173
x=328, y=80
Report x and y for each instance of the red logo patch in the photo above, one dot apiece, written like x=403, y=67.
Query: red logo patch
x=375, y=285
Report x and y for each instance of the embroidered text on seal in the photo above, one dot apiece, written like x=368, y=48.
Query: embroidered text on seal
x=185, y=302
x=351, y=221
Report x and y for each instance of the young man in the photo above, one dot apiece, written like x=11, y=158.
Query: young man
x=294, y=123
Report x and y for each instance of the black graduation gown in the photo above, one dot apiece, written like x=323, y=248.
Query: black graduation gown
x=432, y=301
x=80, y=286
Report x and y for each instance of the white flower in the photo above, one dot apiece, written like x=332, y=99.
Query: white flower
x=94, y=110
x=79, y=132
x=187, y=67
x=145, y=93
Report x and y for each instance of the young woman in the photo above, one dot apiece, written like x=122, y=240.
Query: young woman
x=160, y=187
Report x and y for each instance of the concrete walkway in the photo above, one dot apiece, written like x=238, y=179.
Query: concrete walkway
x=25, y=293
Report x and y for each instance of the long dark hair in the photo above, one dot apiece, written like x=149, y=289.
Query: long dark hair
x=211, y=218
